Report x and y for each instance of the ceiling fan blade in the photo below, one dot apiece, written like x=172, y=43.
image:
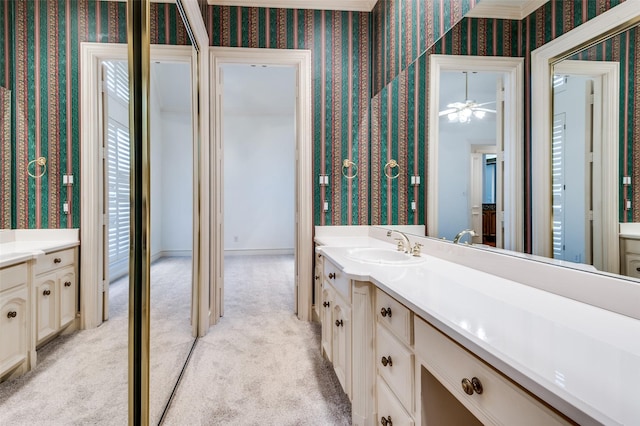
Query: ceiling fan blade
x=485, y=110
x=447, y=111
x=456, y=105
x=485, y=103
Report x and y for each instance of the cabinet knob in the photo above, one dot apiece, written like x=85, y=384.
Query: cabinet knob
x=317, y=276
x=473, y=385
x=386, y=421
x=339, y=323
x=385, y=312
x=332, y=276
x=326, y=304
x=46, y=292
x=57, y=260
x=12, y=314
x=386, y=360
x=67, y=283
x=638, y=269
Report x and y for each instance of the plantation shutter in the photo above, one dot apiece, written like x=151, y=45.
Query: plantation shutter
x=558, y=185
x=116, y=85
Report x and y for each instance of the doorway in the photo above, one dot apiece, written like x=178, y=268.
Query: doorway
x=508, y=133
x=300, y=61
x=93, y=232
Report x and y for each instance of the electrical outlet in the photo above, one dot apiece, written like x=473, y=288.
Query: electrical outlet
x=65, y=208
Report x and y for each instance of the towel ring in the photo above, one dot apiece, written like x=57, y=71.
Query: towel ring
x=392, y=164
x=40, y=161
x=345, y=166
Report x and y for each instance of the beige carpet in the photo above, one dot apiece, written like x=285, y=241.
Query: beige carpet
x=81, y=378
x=258, y=366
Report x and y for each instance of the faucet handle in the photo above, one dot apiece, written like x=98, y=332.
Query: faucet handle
x=416, y=249
x=400, y=244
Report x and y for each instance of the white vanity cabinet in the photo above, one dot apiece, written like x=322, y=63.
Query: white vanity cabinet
x=14, y=320
x=482, y=395
x=630, y=259
x=55, y=289
x=336, y=322
x=394, y=361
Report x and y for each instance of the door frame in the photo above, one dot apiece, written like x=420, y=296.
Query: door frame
x=513, y=138
x=301, y=61
x=604, y=174
x=92, y=259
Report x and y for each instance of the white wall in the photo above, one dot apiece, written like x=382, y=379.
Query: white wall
x=259, y=182
x=454, y=148
x=177, y=183
x=156, y=171
x=259, y=158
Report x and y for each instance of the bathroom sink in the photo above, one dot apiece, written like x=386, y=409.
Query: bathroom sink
x=383, y=256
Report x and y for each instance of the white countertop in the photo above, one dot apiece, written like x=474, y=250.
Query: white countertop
x=581, y=359
x=21, y=245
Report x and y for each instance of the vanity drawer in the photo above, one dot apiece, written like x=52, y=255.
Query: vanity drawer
x=338, y=280
x=54, y=260
x=398, y=371
x=395, y=315
x=501, y=401
x=13, y=276
x=389, y=407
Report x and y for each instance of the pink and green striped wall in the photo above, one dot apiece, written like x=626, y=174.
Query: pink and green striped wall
x=340, y=46
x=355, y=55
x=46, y=37
x=404, y=29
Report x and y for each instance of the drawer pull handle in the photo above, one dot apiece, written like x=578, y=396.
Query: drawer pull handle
x=473, y=385
x=12, y=314
x=46, y=292
x=332, y=276
x=386, y=360
x=57, y=260
x=386, y=421
x=326, y=304
x=339, y=323
x=317, y=276
x=67, y=283
x=386, y=312
x=638, y=269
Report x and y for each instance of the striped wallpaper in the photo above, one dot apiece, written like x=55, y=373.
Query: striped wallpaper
x=625, y=49
x=404, y=29
x=340, y=46
x=47, y=36
x=5, y=157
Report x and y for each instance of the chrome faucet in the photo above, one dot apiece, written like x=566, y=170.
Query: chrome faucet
x=459, y=235
x=403, y=243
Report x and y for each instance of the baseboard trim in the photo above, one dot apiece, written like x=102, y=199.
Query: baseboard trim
x=259, y=252
x=121, y=268
x=175, y=253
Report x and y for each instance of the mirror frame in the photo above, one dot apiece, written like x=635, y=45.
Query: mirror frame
x=513, y=134
x=609, y=23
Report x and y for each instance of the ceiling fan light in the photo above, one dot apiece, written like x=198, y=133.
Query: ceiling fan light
x=479, y=114
x=453, y=116
x=466, y=113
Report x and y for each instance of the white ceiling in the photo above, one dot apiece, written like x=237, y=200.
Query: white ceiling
x=172, y=85
x=358, y=5
x=259, y=90
x=505, y=9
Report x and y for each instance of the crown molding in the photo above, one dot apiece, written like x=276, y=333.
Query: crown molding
x=350, y=5
x=504, y=9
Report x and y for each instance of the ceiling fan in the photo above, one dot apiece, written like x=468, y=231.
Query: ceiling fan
x=463, y=111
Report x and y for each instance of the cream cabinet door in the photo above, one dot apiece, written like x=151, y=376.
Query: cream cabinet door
x=67, y=284
x=46, y=312
x=13, y=328
x=342, y=344
x=325, y=319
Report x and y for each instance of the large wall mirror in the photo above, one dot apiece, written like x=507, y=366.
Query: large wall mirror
x=586, y=140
